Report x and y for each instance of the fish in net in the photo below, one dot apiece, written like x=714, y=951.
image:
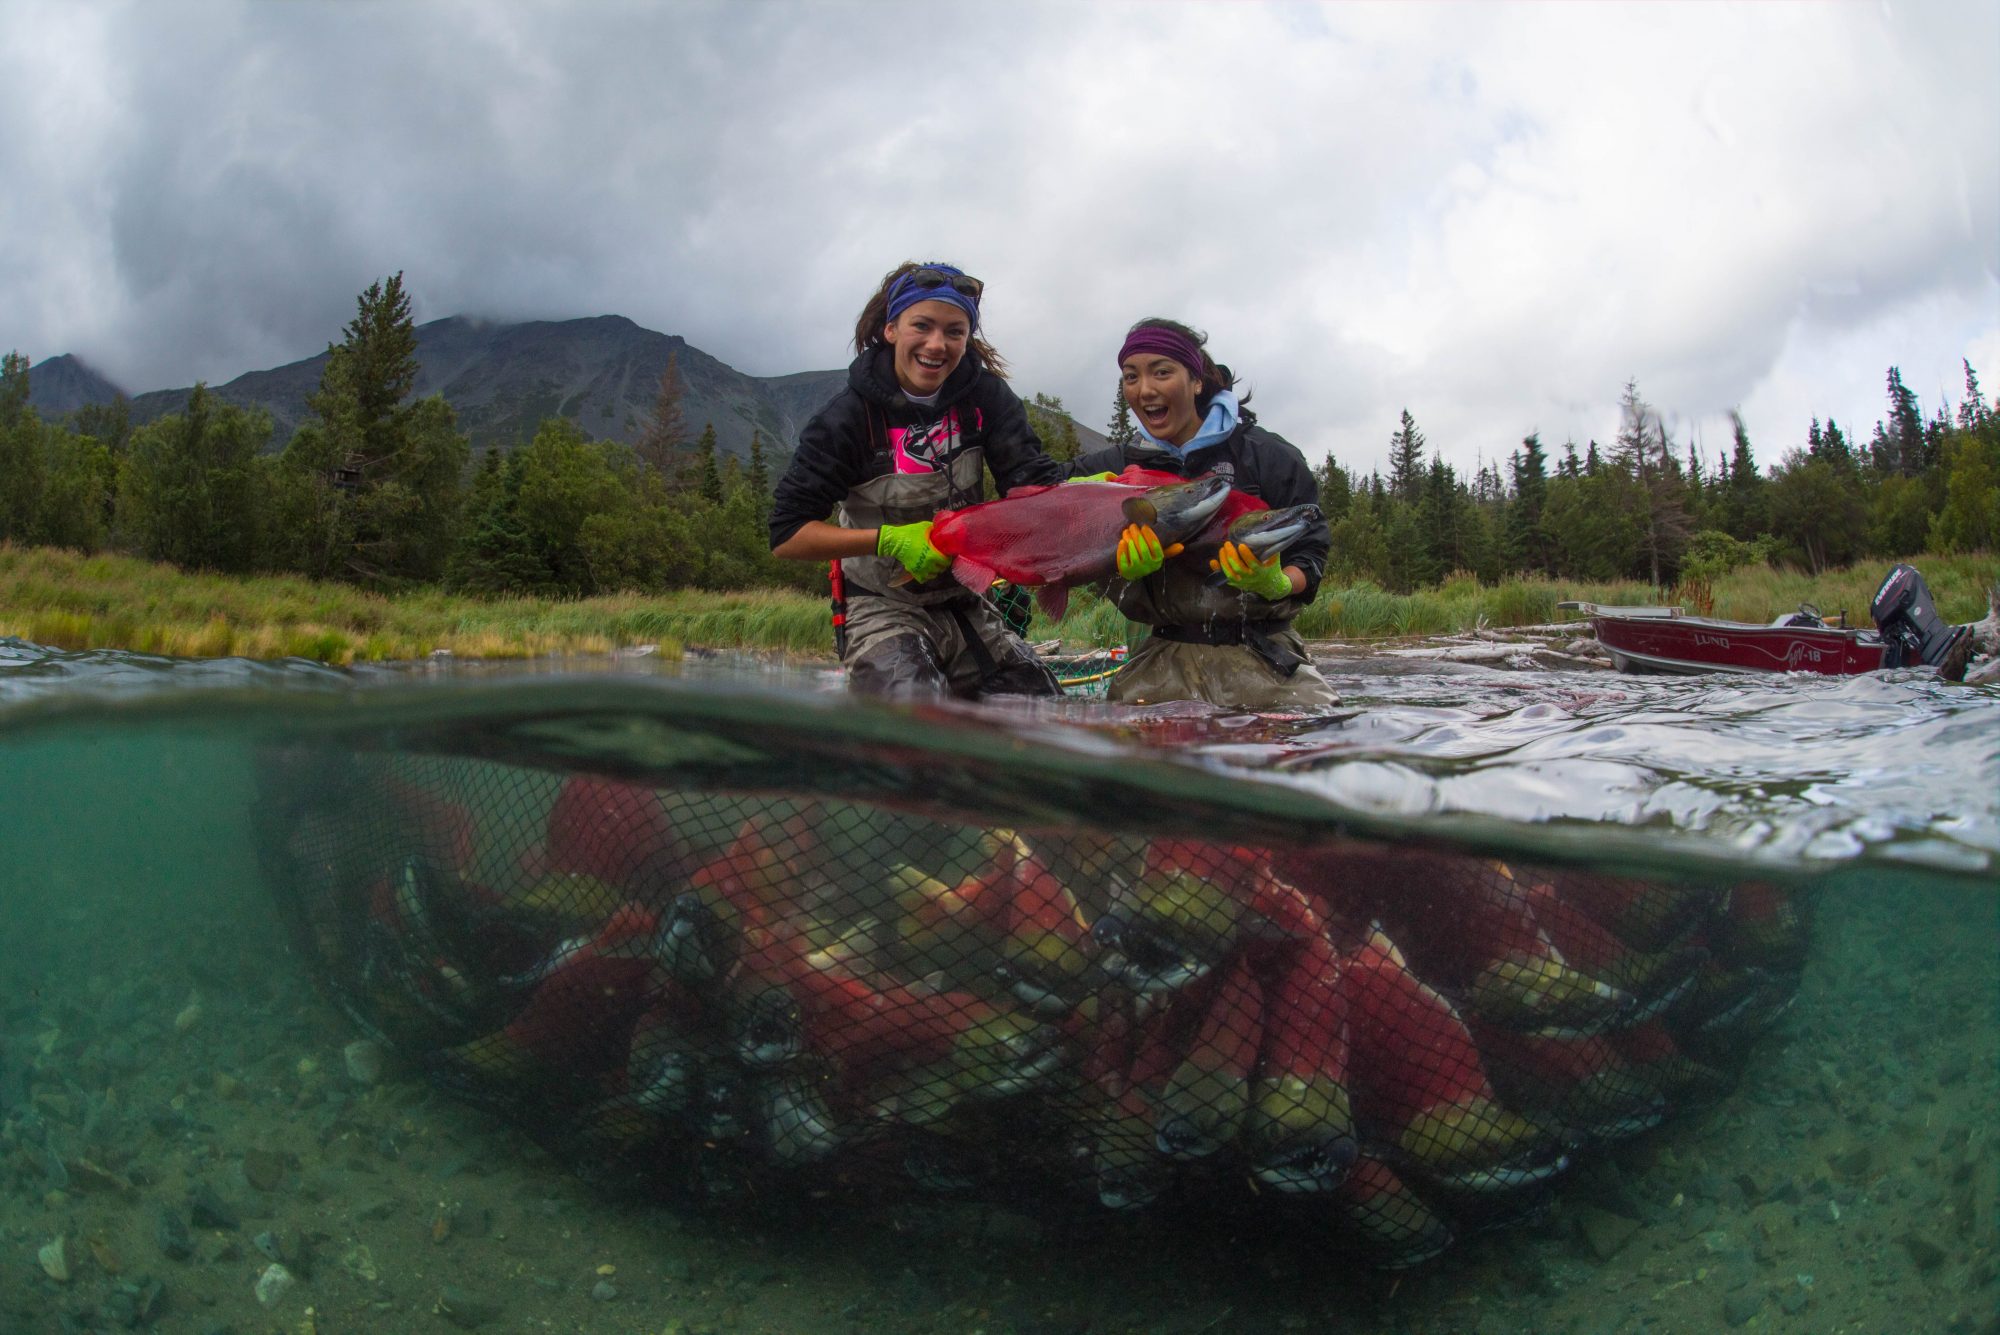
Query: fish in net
x=724, y=995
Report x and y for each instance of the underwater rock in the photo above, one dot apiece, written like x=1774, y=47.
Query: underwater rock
x=170, y=1231
x=364, y=1062
x=1925, y=1254
x=263, y=1170
x=54, y=1257
x=1603, y=1233
x=463, y=1310
x=207, y=1209
x=1740, y=1306
x=359, y=1262
x=273, y=1285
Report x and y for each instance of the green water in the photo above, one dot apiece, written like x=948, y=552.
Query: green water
x=156, y=1023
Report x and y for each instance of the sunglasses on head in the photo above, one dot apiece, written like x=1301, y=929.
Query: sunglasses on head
x=957, y=282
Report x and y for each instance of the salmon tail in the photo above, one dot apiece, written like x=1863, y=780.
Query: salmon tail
x=979, y=578
x=1053, y=599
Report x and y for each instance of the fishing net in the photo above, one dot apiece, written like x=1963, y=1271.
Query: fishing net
x=729, y=996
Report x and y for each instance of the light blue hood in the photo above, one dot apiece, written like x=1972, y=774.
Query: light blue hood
x=1221, y=420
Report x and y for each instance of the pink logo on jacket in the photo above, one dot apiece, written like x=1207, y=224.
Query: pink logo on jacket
x=930, y=446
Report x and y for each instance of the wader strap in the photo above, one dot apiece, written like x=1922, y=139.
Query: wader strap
x=1282, y=658
x=980, y=654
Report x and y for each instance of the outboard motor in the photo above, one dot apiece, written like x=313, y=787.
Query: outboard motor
x=1911, y=629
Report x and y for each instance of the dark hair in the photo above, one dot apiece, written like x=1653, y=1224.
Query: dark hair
x=875, y=316
x=1215, y=377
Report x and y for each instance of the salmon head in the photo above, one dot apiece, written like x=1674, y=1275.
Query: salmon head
x=1268, y=531
x=1178, y=510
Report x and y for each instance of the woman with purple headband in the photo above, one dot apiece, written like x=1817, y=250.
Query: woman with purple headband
x=1229, y=643
x=925, y=414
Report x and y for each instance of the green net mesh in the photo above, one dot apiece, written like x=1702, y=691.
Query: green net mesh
x=723, y=996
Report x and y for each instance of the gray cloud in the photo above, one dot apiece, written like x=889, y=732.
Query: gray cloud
x=1492, y=215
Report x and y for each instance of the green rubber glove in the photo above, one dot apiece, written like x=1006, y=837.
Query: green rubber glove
x=1139, y=552
x=1240, y=566
x=1090, y=477
x=910, y=544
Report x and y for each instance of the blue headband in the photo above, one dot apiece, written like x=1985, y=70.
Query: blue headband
x=907, y=291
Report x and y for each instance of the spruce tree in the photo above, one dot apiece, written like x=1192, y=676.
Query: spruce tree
x=1121, y=432
x=665, y=432
x=711, y=470
x=1746, y=511
x=1973, y=410
x=1906, y=426
x=1527, y=543
x=21, y=464
x=759, y=477
x=385, y=502
x=1571, y=466
x=1336, y=489
x=1406, y=461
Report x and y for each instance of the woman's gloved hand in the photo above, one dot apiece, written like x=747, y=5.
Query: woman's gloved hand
x=1140, y=554
x=910, y=544
x=1090, y=477
x=1240, y=566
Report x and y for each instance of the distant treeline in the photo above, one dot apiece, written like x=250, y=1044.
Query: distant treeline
x=1644, y=510
x=384, y=493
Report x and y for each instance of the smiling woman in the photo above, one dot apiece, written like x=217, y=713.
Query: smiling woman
x=1223, y=635
x=925, y=412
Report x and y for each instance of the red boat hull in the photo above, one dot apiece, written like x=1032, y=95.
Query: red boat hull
x=1699, y=644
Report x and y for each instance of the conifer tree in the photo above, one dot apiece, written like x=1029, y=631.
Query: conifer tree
x=380, y=494
x=1336, y=489
x=1406, y=461
x=21, y=465
x=1746, y=510
x=1121, y=432
x=1973, y=410
x=1571, y=466
x=759, y=477
x=1906, y=427
x=13, y=388
x=711, y=470
x=1527, y=543
x=665, y=432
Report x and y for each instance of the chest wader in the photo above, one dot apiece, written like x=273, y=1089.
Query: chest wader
x=1216, y=644
x=934, y=637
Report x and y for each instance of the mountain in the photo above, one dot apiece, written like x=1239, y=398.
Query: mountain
x=64, y=384
x=503, y=379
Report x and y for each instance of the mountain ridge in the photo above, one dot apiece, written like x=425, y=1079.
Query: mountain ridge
x=503, y=379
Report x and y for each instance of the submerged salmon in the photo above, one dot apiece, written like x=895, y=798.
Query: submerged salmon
x=1050, y=538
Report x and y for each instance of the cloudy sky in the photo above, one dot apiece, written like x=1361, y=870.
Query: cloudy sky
x=1493, y=215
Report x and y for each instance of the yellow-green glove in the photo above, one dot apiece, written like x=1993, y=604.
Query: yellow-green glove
x=1090, y=477
x=1140, y=554
x=910, y=544
x=1240, y=566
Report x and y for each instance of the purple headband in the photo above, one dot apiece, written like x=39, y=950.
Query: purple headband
x=935, y=282
x=1165, y=343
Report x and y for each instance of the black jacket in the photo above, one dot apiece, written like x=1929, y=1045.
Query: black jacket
x=841, y=447
x=1260, y=462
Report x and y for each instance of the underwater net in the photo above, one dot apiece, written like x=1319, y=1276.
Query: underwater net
x=729, y=981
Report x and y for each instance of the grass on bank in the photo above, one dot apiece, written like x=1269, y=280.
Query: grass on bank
x=70, y=601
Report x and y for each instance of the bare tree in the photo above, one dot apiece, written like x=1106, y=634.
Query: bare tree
x=666, y=431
